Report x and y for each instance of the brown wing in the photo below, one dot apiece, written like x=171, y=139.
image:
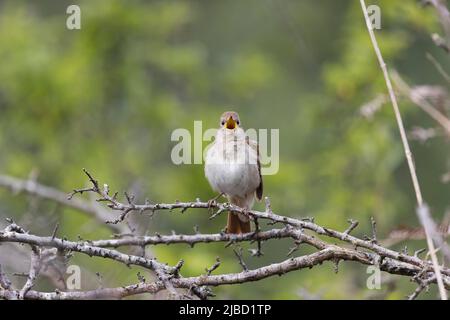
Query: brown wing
x=259, y=190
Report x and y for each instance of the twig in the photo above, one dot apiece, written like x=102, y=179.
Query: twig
x=444, y=18
x=296, y=246
x=257, y=252
x=39, y=190
x=421, y=102
x=438, y=67
x=440, y=42
x=423, y=284
x=238, y=254
x=4, y=281
x=35, y=266
x=55, y=230
x=353, y=225
x=213, y=267
x=374, y=230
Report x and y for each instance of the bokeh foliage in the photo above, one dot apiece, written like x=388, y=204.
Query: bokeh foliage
x=108, y=96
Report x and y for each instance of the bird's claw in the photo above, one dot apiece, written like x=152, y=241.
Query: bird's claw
x=212, y=203
x=246, y=212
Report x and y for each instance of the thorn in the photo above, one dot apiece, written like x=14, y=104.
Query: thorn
x=294, y=248
x=140, y=277
x=268, y=205
x=213, y=267
x=405, y=250
x=256, y=252
x=336, y=265
x=374, y=230
x=238, y=254
x=417, y=252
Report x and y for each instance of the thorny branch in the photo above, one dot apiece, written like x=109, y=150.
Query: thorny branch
x=367, y=252
x=34, y=188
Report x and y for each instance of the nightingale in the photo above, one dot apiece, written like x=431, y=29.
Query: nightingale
x=233, y=169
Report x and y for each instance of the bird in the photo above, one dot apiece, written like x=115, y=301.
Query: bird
x=232, y=168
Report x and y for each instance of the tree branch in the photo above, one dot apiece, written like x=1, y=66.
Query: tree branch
x=367, y=252
x=128, y=208
x=171, y=275
x=34, y=188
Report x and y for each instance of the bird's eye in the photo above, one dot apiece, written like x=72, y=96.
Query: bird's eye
x=222, y=123
x=237, y=122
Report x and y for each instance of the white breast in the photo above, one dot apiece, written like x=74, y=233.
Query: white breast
x=231, y=167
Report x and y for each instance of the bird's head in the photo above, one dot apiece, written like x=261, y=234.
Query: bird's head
x=229, y=120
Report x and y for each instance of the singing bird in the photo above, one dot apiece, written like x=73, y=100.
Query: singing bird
x=232, y=168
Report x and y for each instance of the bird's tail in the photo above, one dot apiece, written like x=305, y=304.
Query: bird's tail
x=236, y=225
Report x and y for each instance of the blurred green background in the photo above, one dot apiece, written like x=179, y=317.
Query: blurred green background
x=107, y=98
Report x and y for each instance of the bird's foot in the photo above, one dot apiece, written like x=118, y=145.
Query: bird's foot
x=212, y=203
x=246, y=212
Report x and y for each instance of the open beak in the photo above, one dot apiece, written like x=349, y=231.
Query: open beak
x=230, y=124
